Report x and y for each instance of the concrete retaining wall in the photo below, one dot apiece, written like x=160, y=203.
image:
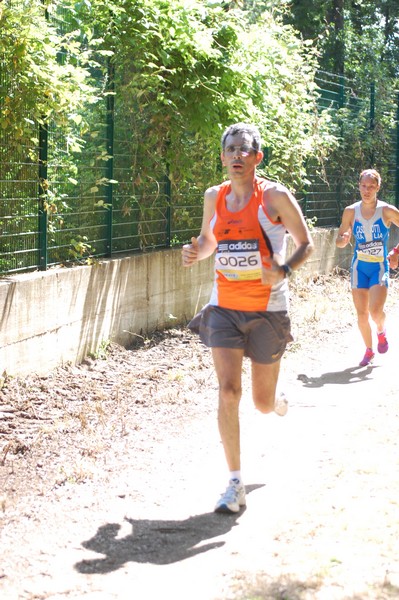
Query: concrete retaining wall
x=62, y=315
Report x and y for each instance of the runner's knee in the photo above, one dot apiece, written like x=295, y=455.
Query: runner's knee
x=229, y=394
x=264, y=402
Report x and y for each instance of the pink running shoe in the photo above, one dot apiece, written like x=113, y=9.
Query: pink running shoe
x=367, y=358
x=382, y=346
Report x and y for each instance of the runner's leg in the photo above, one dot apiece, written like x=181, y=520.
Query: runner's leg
x=361, y=301
x=228, y=366
x=378, y=296
x=264, y=384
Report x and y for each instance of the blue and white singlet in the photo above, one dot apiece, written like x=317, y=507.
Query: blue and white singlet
x=370, y=259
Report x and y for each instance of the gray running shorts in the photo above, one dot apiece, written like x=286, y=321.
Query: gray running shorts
x=262, y=335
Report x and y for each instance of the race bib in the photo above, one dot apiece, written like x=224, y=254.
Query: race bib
x=371, y=251
x=239, y=260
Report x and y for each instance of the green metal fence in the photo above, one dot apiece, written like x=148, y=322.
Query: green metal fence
x=58, y=207
x=327, y=195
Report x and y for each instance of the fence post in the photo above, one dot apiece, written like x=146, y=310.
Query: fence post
x=43, y=187
x=305, y=194
x=372, y=120
x=341, y=97
x=110, y=153
x=168, y=196
x=372, y=105
x=341, y=103
x=397, y=154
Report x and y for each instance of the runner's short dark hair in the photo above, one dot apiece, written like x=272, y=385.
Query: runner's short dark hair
x=237, y=128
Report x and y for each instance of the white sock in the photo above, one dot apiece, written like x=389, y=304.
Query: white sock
x=236, y=475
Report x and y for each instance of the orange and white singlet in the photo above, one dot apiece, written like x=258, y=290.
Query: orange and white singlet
x=244, y=238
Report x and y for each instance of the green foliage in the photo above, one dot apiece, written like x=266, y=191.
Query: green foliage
x=366, y=31
x=81, y=249
x=359, y=39
x=311, y=222
x=102, y=350
x=172, y=75
x=49, y=80
x=187, y=69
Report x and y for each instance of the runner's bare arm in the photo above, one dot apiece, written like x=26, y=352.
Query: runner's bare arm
x=204, y=245
x=345, y=229
x=282, y=206
x=391, y=215
x=393, y=257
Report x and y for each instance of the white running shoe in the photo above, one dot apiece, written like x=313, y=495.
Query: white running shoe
x=232, y=499
x=281, y=405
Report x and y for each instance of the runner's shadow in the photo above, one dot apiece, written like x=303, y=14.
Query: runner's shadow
x=157, y=542
x=350, y=375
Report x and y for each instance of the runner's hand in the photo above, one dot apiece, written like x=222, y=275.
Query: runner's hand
x=393, y=259
x=190, y=252
x=344, y=239
x=272, y=272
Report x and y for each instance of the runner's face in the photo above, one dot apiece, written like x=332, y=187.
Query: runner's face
x=238, y=155
x=368, y=188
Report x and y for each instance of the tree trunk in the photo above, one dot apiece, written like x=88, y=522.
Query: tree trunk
x=336, y=18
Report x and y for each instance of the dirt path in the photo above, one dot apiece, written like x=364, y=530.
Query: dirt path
x=110, y=472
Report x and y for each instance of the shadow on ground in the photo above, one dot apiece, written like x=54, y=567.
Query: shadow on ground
x=350, y=375
x=158, y=542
